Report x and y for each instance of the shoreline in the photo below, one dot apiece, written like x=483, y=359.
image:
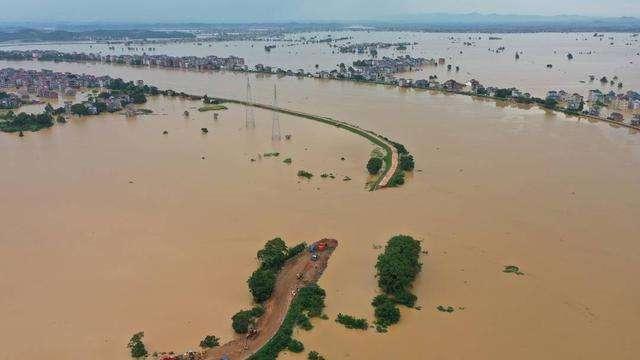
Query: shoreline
x=371, y=82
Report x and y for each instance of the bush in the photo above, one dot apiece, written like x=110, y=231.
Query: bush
x=407, y=163
x=387, y=313
x=210, y=341
x=397, y=180
x=241, y=321
x=398, y=266
x=295, y=346
x=303, y=322
x=351, y=322
x=261, y=284
x=273, y=255
x=136, y=346
x=374, y=165
x=405, y=298
x=292, y=252
x=305, y=174
x=313, y=355
x=309, y=300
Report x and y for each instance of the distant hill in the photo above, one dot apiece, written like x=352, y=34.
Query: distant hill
x=34, y=35
x=508, y=23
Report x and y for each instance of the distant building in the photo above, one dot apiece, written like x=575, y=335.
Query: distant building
x=617, y=117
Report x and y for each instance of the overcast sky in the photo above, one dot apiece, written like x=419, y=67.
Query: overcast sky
x=277, y=10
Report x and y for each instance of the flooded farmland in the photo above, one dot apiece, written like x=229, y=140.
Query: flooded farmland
x=110, y=227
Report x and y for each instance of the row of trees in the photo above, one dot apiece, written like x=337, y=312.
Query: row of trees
x=396, y=269
x=272, y=257
x=26, y=122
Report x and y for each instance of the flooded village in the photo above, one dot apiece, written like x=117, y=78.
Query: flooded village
x=141, y=232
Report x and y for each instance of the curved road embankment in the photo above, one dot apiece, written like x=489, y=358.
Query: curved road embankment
x=391, y=153
x=277, y=306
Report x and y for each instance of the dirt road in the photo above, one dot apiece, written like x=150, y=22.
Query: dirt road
x=277, y=306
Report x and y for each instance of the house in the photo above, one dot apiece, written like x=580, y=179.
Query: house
x=452, y=85
x=634, y=104
x=575, y=102
x=553, y=95
x=617, y=117
x=635, y=121
x=595, y=96
x=594, y=111
x=563, y=96
x=422, y=84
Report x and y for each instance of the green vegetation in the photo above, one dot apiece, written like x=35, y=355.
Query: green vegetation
x=273, y=255
x=397, y=179
x=242, y=320
x=399, y=265
x=512, y=269
x=212, y=107
x=313, y=355
x=396, y=268
x=25, y=122
x=135, y=92
x=261, y=284
x=293, y=251
x=374, y=165
x=550, y=104
x=271, y=154
x=287, y=161
x=295, y=346
x=406, y=162
x=447, y=309
x=305, y=174
x=503, y=93
x=386, y=312
x=136, y=346
x=351, y=322
x=309, y=302
x=209, y=342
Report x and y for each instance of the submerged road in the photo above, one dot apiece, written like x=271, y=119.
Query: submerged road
x=391, y=153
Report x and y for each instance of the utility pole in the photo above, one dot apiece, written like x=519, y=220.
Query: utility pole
x=249, y=117
x=275, y=127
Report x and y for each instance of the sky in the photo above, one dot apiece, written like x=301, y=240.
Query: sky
x=282, y=10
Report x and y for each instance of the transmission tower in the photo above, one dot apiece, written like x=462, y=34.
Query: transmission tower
x=249, y=118
x=275, y=127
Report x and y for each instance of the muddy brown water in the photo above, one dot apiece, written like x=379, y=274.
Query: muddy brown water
x=109, y=227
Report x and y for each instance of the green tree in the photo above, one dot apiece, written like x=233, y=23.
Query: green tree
x=387, y=313
x=550, y=103
x=273, y=255
x=398, y=266
x=210, y=341
x=136, y=346
x=295, y=346
x=261, y=284
x=374, y=165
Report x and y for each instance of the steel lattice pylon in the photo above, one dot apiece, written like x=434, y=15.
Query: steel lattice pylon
x=275, y=127
x=249, y=117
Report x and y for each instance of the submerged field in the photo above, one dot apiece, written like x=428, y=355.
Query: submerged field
x=110, y=227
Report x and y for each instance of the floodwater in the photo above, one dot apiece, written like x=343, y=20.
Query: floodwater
x=614, y=54
x=110, y=227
